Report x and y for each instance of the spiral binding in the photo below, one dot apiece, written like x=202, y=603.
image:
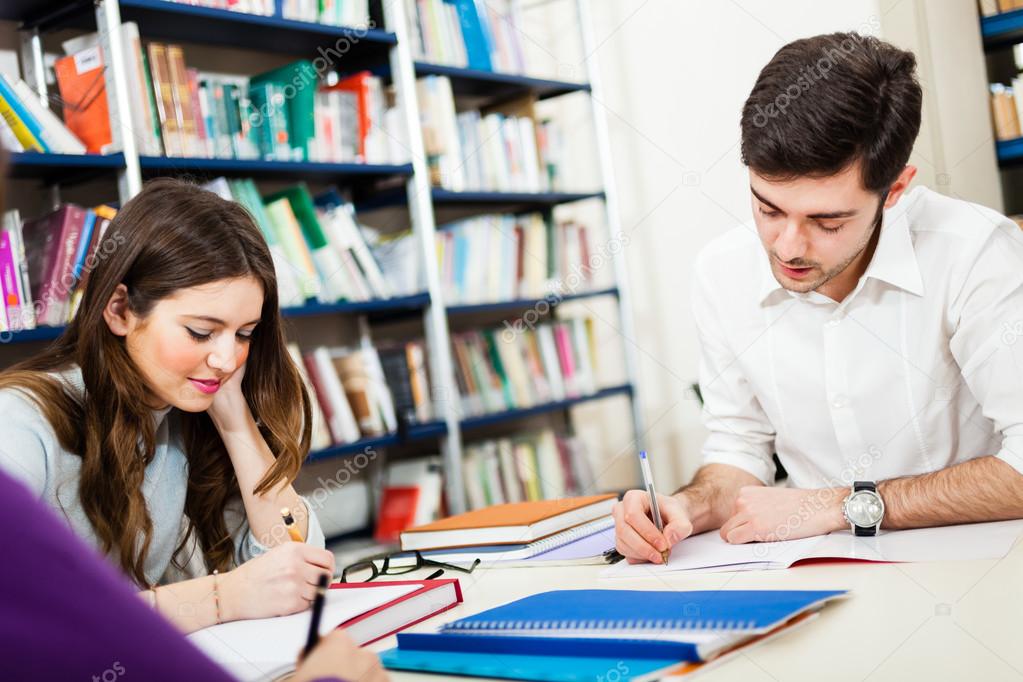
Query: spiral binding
x=632, y=625
x=571, y=535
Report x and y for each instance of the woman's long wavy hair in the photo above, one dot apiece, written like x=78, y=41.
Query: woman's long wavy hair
x=172, y=236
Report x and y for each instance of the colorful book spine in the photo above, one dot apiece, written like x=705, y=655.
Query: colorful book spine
x=21, y=123
x=10, y=310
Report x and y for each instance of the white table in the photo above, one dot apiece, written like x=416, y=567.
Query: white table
x=957, y=620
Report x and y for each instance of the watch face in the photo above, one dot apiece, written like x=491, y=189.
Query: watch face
x=864, y=508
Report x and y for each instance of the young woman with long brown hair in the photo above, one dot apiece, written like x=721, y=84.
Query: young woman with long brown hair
x=167, y=423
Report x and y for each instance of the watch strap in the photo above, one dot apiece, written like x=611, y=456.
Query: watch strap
x=864, y=531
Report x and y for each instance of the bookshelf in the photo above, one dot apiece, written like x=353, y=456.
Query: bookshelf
x=385, y=51
x=999, y=33
x=1002, y=29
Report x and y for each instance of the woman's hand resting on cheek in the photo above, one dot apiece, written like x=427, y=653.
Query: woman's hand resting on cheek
x=277, y=583
x=229, y=410
x=336, y=656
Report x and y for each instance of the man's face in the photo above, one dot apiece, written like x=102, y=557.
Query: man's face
x=816, y=231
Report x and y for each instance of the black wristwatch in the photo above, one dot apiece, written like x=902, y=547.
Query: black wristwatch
x=863, y=508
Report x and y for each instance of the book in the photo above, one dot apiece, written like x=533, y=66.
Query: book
x=52, y=132
x=320, y=437
x=301, y=77
x=163, y=92
x=135, y=77
x=584, y=544
x=12, y=227
x=513, y=523
x=325, y=256
x=51, y=243
x=19, y=122
x=572, y=634
x=467, y=33
x=330, y=393
x=363, y=394
x=709, y=552
x=411, y=496
x=83, y=89
x=266, y=648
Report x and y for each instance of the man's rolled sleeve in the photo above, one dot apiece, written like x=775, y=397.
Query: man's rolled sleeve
x=988, y=339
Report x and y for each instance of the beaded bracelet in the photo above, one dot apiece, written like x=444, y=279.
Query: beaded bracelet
x=216, y=593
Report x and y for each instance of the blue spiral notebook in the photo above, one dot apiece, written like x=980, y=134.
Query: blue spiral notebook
x=638, y=612
x=567, y=634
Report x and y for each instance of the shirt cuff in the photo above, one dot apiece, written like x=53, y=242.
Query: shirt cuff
x=750, y=463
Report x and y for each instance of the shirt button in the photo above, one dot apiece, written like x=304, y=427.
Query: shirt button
x=834, y=322
x=840, y=401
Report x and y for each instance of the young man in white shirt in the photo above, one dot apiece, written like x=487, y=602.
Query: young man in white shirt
x=864, y=332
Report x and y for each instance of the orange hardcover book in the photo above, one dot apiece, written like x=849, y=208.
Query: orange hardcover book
x=82, y=86
x=508, y=524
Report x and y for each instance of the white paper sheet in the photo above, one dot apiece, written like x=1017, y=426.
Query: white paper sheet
x=267, y=647
x=708, y=552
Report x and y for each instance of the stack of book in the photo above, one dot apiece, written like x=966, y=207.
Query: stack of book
x=532, y=466
x=498, y=370
x=319, y=249
x=362, y=392
x=331, y=12
x=499, y=149
x=581, y=634
x=467, y=33
x=45, y=263
x=29, y=125
x=502, y=257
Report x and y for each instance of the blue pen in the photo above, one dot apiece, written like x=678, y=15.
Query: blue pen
x=648, y=483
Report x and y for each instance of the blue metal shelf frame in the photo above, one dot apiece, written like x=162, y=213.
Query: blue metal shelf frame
x=1002, y=29
x=277, y=169
x=509, y=415
x=491, y=87
x=62, y=167
x=527, y=303
x=1010, y=151
x=415, y=433
x=383, y=305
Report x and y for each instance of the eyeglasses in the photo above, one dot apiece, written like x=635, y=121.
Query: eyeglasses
x=357, y=572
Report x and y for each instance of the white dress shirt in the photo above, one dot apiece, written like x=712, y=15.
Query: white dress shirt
x=918, y=369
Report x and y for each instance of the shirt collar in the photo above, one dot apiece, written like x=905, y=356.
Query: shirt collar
x=894, y=260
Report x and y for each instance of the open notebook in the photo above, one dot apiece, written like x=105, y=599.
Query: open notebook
x=708, y=552
x=266, y=648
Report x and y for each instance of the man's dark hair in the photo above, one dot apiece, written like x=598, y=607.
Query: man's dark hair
x=823, y=103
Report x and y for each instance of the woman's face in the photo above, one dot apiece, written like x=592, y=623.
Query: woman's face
x=193, y=341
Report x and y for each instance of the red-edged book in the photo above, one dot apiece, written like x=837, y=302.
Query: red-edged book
x=267, y=648
x=429, y=598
